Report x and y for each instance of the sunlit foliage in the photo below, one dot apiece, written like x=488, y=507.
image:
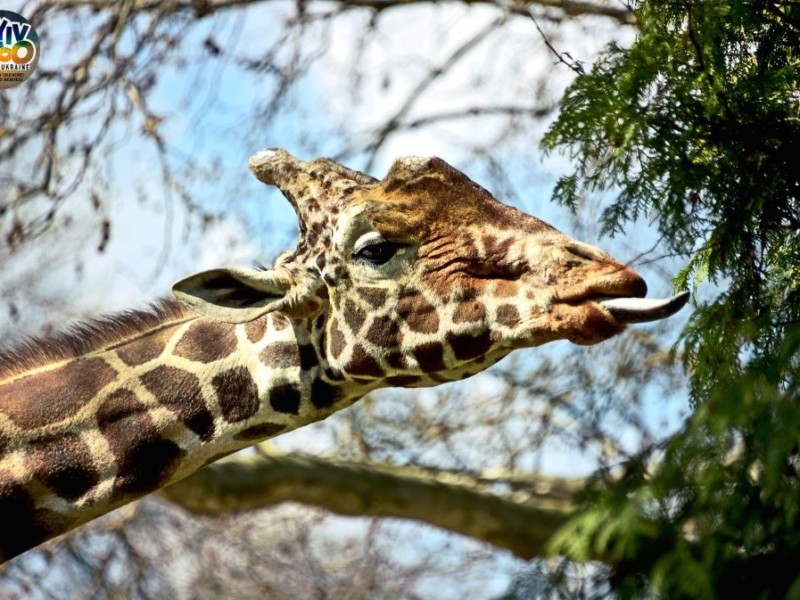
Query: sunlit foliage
x=696, y=127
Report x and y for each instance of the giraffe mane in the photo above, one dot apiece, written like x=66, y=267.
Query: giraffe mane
x=84, y=338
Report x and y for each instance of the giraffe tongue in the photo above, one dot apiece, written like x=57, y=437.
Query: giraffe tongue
x=642, y=310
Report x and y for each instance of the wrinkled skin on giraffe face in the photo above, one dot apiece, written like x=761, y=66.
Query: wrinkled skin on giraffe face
x=422, y=277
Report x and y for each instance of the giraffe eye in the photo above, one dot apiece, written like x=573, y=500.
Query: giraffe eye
x=377, y=251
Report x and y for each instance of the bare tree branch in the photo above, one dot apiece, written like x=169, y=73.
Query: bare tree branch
x=521, y=523
x=394, y=121
x=569, y=8
x=477, y=111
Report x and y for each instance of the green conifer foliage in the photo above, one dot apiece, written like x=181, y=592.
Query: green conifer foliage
x=697, y=126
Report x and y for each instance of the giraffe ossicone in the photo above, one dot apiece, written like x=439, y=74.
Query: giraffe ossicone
x=413, y=280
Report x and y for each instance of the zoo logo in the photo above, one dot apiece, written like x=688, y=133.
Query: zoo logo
x=19, y=49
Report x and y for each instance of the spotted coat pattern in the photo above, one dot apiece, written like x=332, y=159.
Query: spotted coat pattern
x=414, y=280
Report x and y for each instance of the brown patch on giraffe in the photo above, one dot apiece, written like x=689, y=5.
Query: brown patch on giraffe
x=334, y=374
x=508, y=315
x=489, y=242
x=308, y=356
x=323, y=394
x=44, y=398
x=396, y=360
x=21, y=529
x=362, y=363
x=285, y=399
x=467, y=248
x=354, y=315
x=207, y=341
x=179, y=391
x=260, y=431
x=47, y=519
x=469, y=312
x=504, y=289
x=280, y=355
x=338, y=341
x=385, y=332
x=430, y=356
x=496, y=250
x=63, y=464
x=439, y=377
x=237, y=394
x=322, y=293
x=147, y=348
x=145, y=460
x=403, y=380
x=420, y=314
x=279, y=321
x=468, y=347
x=374, y=296
x=255, y=329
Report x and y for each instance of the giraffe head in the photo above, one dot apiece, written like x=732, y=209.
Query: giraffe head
x=422, y=277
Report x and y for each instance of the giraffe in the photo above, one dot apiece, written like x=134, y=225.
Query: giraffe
x=414, y=280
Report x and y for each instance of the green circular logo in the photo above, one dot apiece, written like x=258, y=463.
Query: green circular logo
x=19, y=49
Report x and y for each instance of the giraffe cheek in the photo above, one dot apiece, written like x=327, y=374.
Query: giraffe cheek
x=469, y=311
x=420, y=315
x=385, y=332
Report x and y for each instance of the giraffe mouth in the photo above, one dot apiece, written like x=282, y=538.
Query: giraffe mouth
x=643, y=310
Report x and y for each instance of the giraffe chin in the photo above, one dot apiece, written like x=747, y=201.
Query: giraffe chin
x=644, y=310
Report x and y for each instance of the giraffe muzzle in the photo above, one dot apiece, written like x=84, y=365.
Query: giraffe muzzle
x=643, y=310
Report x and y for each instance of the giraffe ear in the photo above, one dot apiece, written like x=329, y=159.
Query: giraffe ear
x=234, y=295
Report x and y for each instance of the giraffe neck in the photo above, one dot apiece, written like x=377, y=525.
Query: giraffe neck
x=85, y=434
